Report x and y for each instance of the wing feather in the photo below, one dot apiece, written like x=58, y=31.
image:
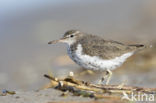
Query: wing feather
x=96, y=46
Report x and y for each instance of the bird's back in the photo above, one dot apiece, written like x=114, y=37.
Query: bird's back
x=105, y=49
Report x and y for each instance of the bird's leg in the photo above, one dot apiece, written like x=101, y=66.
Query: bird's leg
x=103, y=78
x=109, y=73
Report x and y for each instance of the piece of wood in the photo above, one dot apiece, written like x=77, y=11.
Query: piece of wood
x=81, y=88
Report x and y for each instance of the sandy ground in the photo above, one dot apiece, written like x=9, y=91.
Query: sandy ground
x=47, y=96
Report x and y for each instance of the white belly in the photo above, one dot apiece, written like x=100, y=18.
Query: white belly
x=96, y=63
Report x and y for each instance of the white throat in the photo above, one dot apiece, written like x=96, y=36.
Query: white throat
x=69, y=41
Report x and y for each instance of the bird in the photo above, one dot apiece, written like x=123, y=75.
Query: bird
x=93, y=52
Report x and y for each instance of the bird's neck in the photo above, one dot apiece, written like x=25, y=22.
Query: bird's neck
x=73, y=47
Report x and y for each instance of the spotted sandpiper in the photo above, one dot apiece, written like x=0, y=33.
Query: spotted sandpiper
x=92, y=52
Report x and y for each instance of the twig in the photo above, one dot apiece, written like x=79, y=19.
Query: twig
x=86, y=89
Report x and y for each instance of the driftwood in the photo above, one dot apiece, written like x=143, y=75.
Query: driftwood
x=85, y=89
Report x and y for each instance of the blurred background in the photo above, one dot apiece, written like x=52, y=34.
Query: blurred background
x=26, y=26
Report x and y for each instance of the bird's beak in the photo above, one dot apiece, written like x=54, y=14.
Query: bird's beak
x=56, y=41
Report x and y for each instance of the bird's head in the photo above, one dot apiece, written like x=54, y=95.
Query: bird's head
x=69, y=37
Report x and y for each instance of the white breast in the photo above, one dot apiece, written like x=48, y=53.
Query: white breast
x=96, y=63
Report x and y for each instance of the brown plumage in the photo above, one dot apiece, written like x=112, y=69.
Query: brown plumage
x=105, y=49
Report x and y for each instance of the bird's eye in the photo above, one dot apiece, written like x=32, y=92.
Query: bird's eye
x=71, y=36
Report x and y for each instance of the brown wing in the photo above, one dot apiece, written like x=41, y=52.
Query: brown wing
x=96, y=46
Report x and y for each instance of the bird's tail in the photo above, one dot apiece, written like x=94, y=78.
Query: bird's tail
x=141, y=46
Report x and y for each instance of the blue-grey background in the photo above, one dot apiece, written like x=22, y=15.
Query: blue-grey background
x=27, y=25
